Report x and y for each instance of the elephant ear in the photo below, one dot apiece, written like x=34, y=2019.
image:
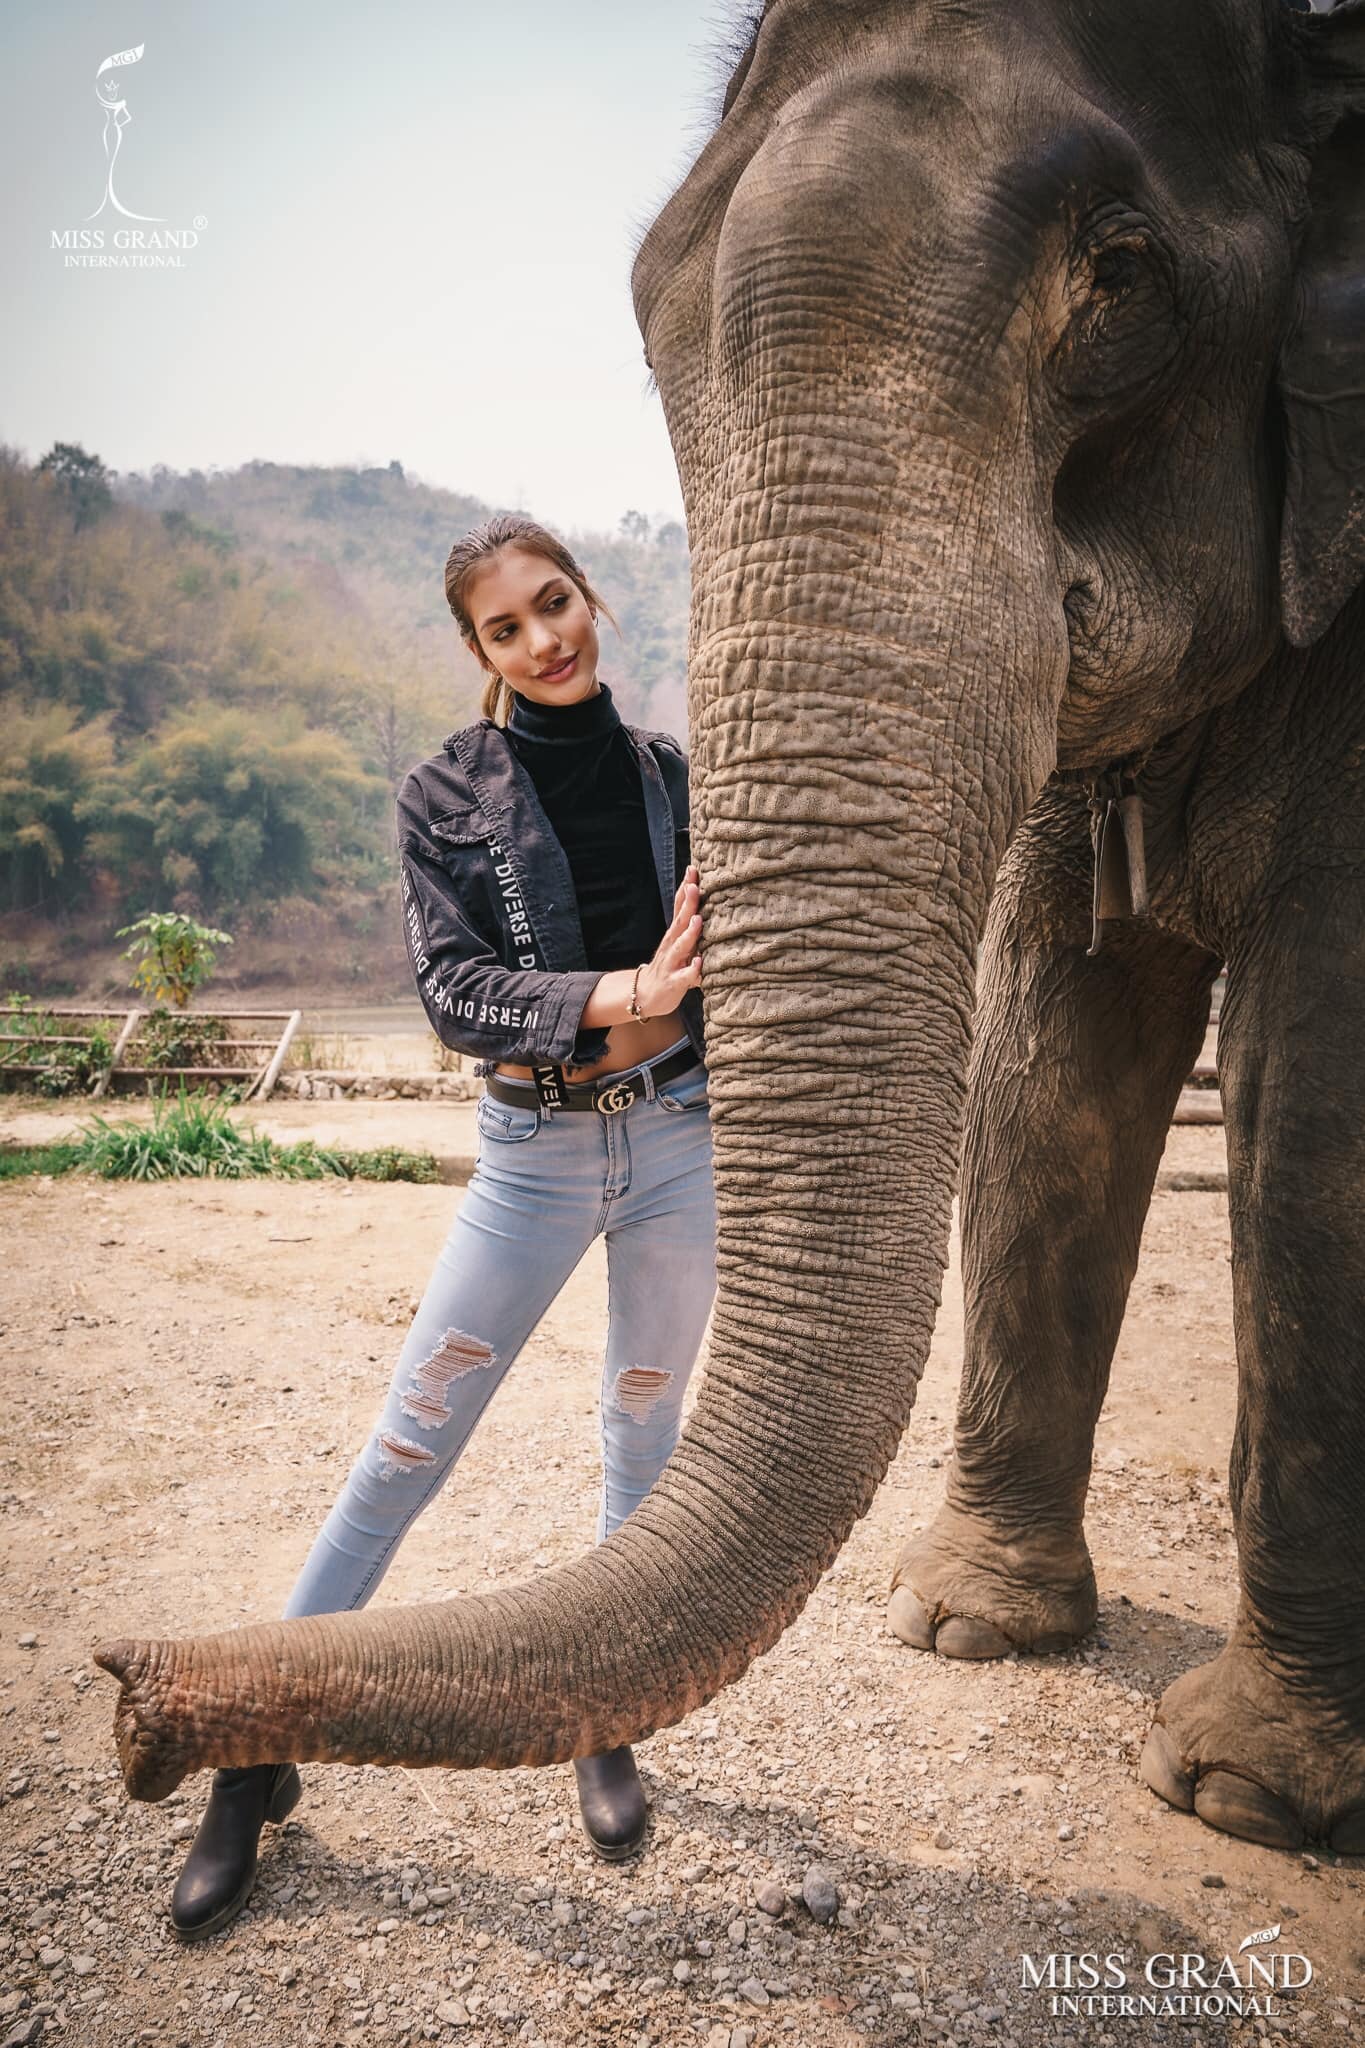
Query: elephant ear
x=1322, y=362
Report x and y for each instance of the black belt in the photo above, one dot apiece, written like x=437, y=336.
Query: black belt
x=607, y=1096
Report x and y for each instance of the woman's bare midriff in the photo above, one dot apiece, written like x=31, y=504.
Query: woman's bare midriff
x=626, y=1047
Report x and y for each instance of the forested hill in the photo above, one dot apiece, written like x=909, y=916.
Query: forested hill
x=210, y=685
x=387, y=536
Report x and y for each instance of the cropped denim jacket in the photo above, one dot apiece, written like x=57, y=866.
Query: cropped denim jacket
x=489, y=911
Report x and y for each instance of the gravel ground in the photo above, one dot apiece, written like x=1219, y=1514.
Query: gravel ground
x=190, y=1370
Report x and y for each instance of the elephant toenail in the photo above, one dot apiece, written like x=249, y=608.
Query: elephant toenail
x=1163, y=1769
x=962, y=1635
x=907, y=1618
x=1056, y=1643
x=1239, y=1807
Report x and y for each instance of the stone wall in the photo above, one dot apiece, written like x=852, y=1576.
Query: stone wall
x=320, y=1085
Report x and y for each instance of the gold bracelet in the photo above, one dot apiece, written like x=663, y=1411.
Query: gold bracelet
x=635, y=1011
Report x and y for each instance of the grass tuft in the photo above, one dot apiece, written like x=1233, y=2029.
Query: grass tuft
x=194, y=1138
x=19, y=1162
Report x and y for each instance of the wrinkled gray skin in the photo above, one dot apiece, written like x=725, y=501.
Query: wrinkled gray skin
x=1012, y=359
x=987, y=334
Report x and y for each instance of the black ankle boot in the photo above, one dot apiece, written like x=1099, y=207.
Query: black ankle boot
x=612, y=1801
x=220, y=1869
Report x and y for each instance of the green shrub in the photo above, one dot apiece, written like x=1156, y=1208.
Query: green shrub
x=18, y=1162
x=29, y=1037
x=389, y=1162
x=21, y=1022
x=193, y=1136
x=174, y=955
x=166, y=1038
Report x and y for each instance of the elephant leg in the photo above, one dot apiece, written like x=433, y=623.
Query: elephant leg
x=1076, y=1067
x=1268, y=1740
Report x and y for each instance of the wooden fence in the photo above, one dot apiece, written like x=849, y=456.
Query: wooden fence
x=1199, y=1102
x=259, y=1065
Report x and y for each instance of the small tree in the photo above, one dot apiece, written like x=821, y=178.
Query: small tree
x=83, y=479
x=174, y=954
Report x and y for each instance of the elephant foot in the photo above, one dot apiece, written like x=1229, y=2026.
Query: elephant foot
x=1255, y=1757
x=966, y=1590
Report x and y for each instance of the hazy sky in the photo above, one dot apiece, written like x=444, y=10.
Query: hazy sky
x=418, y=226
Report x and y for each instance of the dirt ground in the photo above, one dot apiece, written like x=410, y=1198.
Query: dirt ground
x=189, y=1370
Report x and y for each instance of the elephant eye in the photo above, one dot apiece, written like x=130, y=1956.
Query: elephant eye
x=1120, y=334
x=1114, y=268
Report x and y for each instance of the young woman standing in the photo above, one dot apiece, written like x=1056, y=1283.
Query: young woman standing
x=553, y=927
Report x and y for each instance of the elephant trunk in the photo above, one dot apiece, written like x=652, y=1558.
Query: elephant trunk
x=857, y=782
x=786, y=1446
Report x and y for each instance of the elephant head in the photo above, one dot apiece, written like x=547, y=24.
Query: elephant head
x=1011, y=359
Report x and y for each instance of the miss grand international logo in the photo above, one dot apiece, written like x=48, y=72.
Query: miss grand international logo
x=1246, y=1985
x=153, y=242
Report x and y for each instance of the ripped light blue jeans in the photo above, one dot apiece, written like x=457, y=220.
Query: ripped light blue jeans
x=546, y=1183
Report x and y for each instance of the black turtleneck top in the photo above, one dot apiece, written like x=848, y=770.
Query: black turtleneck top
x=588, y=780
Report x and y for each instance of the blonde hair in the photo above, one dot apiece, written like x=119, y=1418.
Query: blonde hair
x=472, y=552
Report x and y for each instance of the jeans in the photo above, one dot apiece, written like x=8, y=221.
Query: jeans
x=545, y=1184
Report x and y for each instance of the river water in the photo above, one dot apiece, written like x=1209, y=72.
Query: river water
x=375, y=1020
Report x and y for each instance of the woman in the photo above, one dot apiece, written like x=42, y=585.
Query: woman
x=540, y=851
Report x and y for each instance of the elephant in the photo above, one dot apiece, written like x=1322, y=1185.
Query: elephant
x=1013, y=361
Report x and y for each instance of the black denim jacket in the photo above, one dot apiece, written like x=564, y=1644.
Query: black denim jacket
x=492, y=923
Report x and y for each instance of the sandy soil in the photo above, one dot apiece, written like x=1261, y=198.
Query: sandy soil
x=190, y=1369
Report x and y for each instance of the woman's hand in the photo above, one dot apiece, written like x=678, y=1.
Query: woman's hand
x=664, y=980
x=676, y=966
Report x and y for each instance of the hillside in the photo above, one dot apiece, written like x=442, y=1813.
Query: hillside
x=385, y=535
x=212, y=685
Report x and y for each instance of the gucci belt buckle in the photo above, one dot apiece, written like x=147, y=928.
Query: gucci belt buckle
x=609, y=1101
